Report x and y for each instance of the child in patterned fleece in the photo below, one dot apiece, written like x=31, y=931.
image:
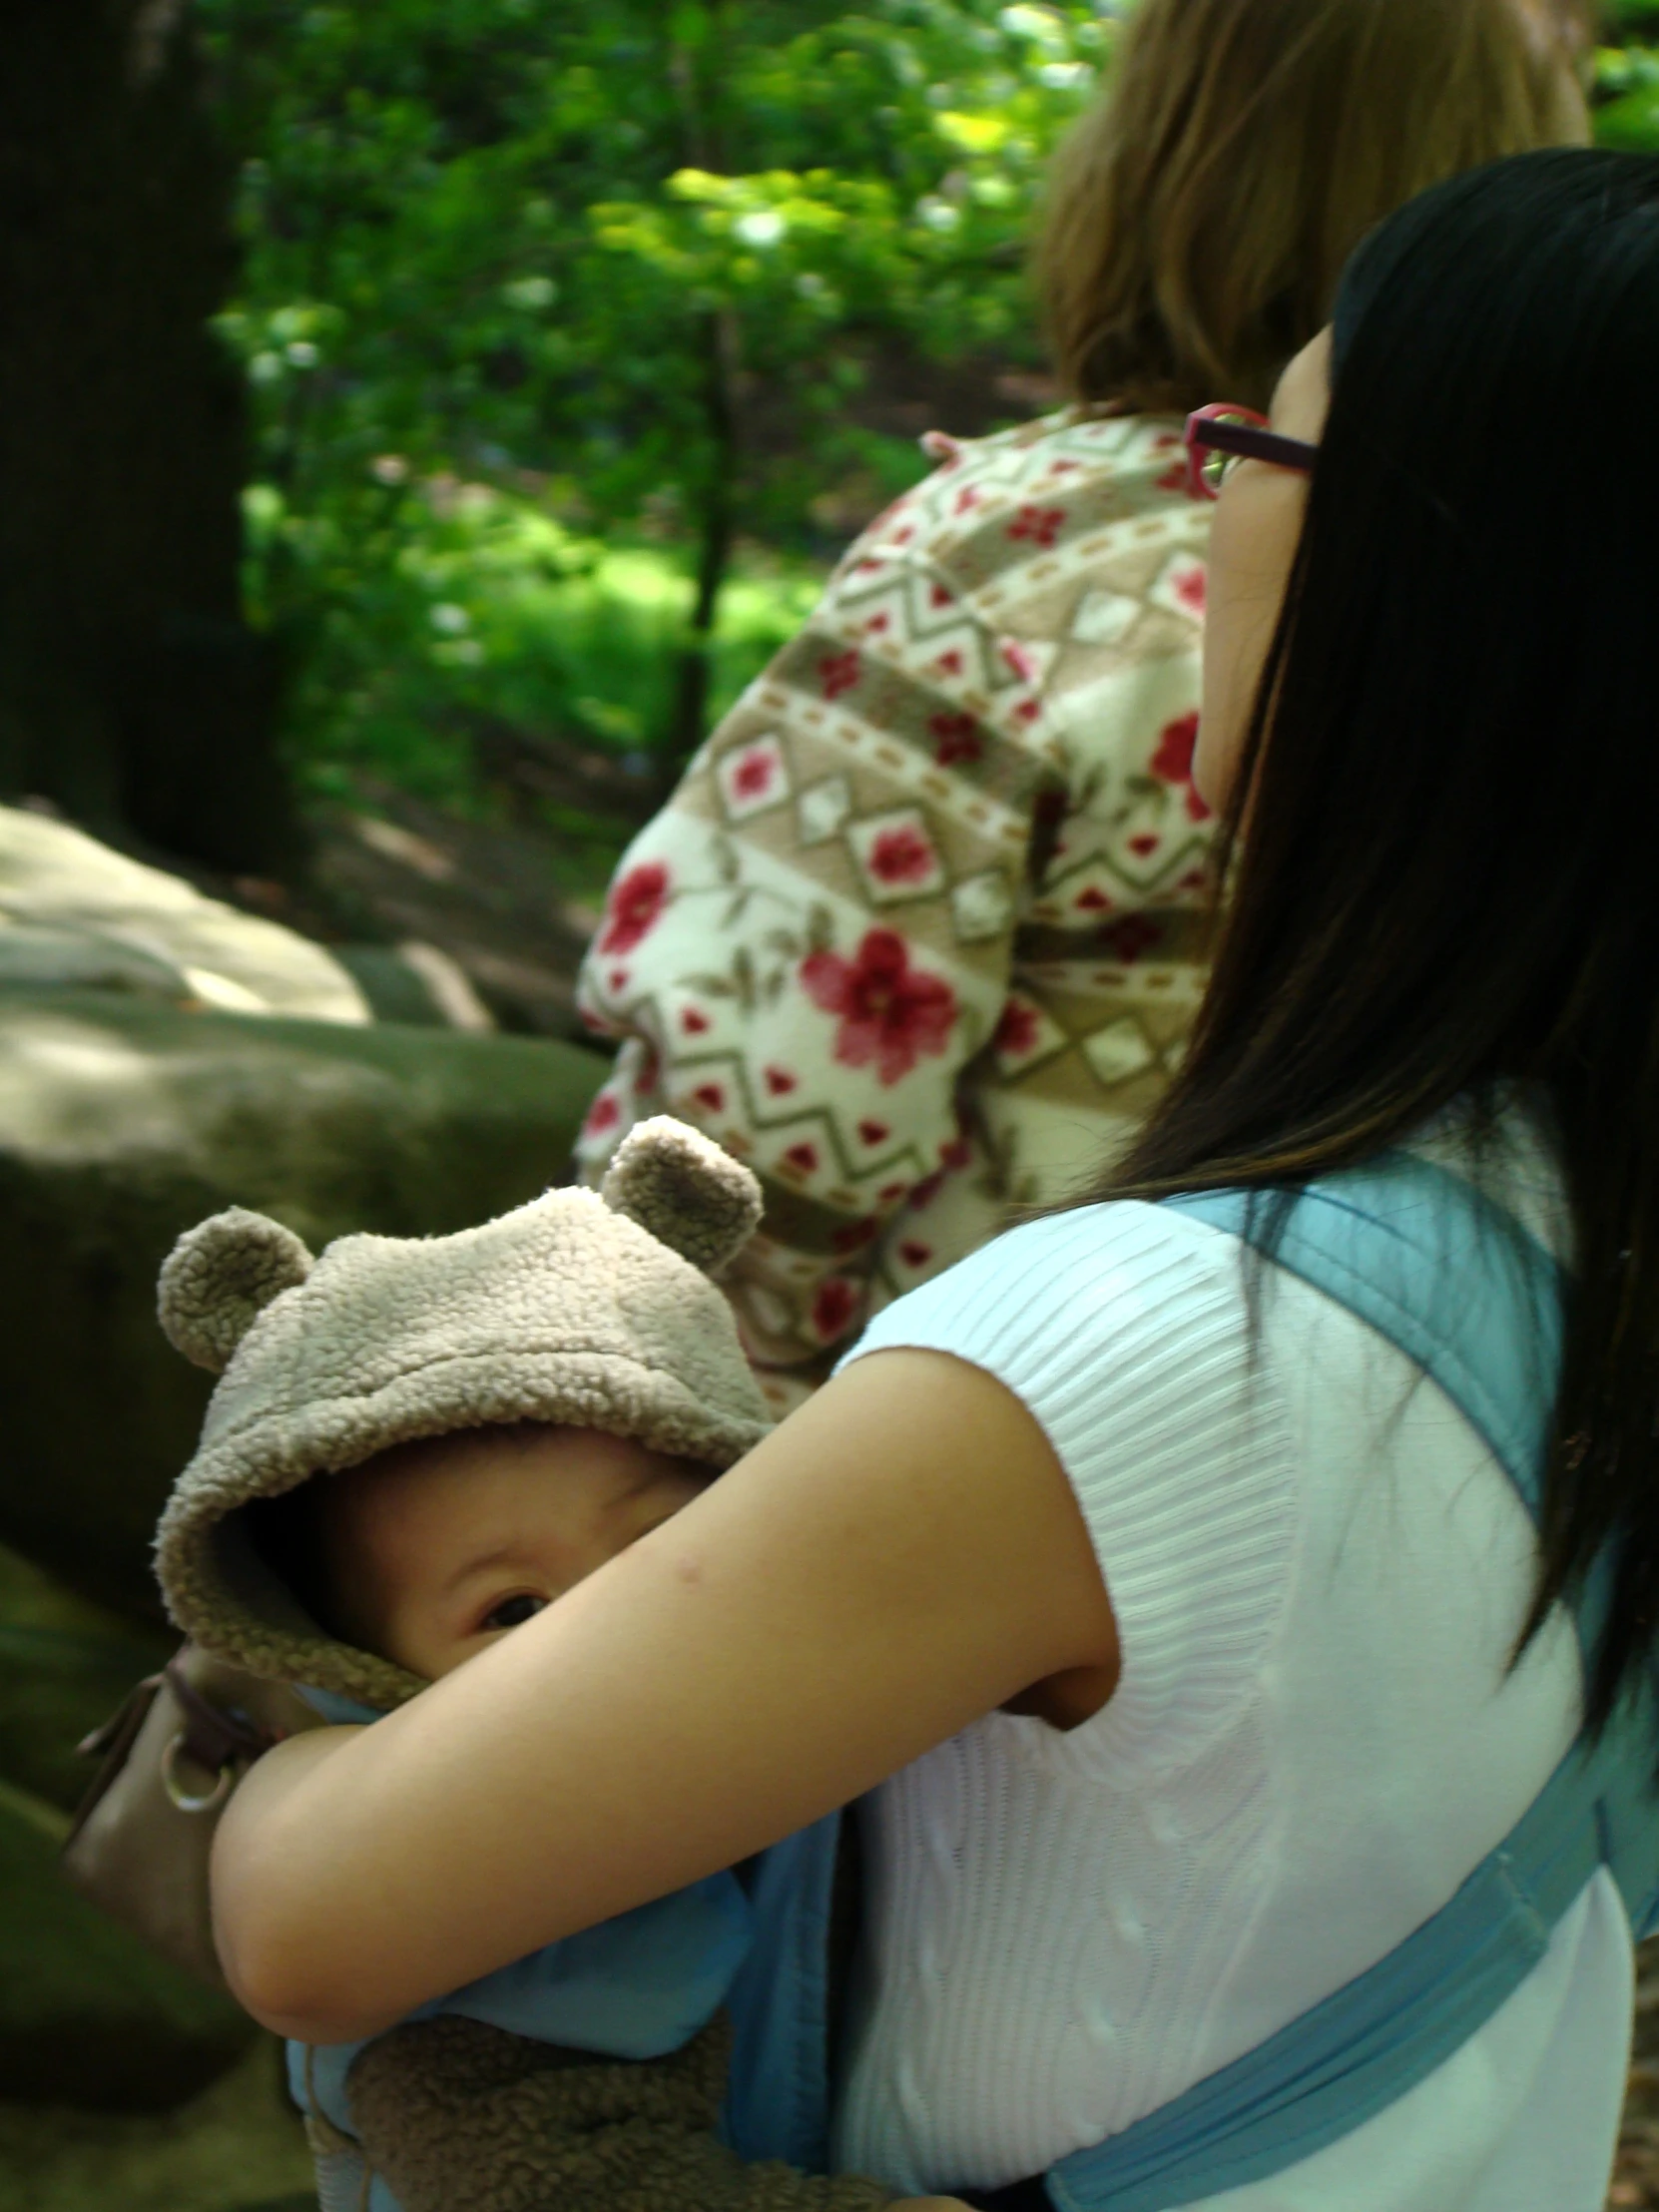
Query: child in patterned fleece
x=921, y=933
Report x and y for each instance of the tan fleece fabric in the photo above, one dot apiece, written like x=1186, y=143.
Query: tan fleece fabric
x=460, y=2117
x=580, y=1309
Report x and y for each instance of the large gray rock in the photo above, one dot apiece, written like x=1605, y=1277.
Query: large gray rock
x=76, y=914
x=122, y=1122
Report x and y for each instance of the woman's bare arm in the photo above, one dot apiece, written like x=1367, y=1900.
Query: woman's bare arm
x=902, y=1555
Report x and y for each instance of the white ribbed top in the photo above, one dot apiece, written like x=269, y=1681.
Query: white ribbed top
x=1316, y=1570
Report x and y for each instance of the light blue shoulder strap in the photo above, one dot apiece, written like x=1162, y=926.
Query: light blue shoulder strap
x=1466, y=1294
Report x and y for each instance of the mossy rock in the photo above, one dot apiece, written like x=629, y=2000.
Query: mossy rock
x=65, y=1666
x=122, y=1122
x=88, y=2015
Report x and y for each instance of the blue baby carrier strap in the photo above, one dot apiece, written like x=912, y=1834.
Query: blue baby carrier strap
x=1466, y=1294
x=777, y=2099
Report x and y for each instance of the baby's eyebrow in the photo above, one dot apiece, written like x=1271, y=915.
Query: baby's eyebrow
x=504, y=1556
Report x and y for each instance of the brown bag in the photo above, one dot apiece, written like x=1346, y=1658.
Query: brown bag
x=169, y=1761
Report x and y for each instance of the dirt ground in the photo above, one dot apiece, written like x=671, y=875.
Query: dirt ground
x=512, y=903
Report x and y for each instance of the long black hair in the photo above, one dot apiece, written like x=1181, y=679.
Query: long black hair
x=1449, y=883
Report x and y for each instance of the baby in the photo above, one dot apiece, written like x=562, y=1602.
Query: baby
x=414, y=1445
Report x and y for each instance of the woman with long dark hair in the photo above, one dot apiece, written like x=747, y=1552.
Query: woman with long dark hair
x=1237, y=1592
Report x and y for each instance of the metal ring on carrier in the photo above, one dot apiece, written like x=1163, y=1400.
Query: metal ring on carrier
x=188, y=1801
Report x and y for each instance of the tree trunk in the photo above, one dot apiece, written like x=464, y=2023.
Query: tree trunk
x=131, y=690
x=714, y=548
x=695, y=66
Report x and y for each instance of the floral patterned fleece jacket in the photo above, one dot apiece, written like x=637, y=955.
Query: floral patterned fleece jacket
x=919, y=935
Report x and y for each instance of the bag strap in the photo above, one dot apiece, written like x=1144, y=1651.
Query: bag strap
x=1476, y=1302
x=213, y=1736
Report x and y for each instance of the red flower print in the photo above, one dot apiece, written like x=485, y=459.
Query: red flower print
x=903, y=537
x=752, y=776
x=1163, y=442
x=1127, y=939
x=693, y=1021
x=1094, y=902
x=1189, y=589
x=940, y=596
x=803, y=1155
x=1145, y=844
x=955, y=1152
x=968, y=497
x=779, y=1081
x=1174, y=479
x=1173, y=760
x=901, y=855
x=914, y=1255
x=854, y=1237
x=1028, y=710
x=603, y=1114
x=615, y=979
x=948, y=664
x=891, y=1193
x=710, y=1095
x=890, y=1012
x=877, y=623
x=925, y=1193
x=873, y=1132
x=956, y=738
x=838, y=672
x=1018, y=659
x=834, y=1307
x=1016, y=1032
x=631, y=911
x=1040, y=524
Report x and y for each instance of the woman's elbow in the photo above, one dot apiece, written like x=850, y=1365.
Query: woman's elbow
x=289, y=1975
x=286, y=1941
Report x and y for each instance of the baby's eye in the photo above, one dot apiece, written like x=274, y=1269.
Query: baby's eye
x=513, y=1612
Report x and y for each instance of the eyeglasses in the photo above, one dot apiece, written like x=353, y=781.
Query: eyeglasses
x=1220, y=436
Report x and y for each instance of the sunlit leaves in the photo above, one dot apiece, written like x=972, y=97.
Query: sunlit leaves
x=487, y=241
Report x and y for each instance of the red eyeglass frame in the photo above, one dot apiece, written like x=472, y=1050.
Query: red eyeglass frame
x=1224, y=427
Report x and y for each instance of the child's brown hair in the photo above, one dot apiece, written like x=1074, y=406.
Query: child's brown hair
x=1200, y=215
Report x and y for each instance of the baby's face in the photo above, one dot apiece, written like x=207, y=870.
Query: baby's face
x=435, y=1549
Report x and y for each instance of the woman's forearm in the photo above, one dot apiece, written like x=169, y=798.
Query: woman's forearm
x=901, y=1557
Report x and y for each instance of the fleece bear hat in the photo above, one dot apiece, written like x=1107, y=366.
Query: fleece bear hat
x=593, y=1310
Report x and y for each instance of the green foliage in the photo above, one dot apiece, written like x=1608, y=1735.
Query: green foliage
x=1627, y=78
x=545, y=307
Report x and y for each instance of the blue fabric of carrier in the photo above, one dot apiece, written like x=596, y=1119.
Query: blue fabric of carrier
x=778, y=2098
x=1461, y=1288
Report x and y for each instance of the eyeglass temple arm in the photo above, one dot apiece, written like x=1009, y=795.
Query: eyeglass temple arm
x=1254, y=444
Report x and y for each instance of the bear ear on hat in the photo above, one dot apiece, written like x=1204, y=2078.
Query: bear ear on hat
x=681, y=1186
x=219, y=1276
